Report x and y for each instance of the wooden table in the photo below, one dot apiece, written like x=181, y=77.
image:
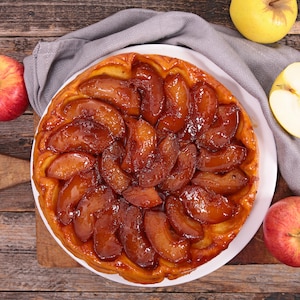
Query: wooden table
x=28, y=255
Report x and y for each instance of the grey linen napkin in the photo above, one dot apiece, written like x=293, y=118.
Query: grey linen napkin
x=252, y=65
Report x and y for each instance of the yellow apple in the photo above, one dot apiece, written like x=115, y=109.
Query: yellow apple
x=263, y=21
x=284, y=99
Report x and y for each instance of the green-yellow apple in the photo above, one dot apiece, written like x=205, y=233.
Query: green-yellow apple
x=281, y=229
x=263, y=21
x=284, y=99
x=13, y=93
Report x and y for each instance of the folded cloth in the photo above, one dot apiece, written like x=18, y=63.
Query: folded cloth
x=252, y=65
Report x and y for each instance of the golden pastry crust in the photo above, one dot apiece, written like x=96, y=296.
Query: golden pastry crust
x=92, y=129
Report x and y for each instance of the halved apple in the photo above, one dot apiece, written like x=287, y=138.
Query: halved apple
x=284, y=99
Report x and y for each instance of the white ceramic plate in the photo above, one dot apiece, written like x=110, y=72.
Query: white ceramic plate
x=267, y=166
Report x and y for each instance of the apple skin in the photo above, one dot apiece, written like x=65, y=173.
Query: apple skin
x=13, y=93
x=263, y=21
x=281, y=229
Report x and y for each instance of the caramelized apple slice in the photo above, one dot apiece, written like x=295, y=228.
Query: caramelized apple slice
x=86, y=209
x=110, y=169
x=140, y=145
x=224, y=184
x=165, y=242
x=204, y=103
x=207, y=207
x=135, y=243
x=177, y=104
x=143, y=197
x=120, y=93
x=163, y=163
x=106, y=244
x=71, y=193
x=223, y=129
x=99, y=112
x=182, y=223
x=150, y=85
x=183, y=171
x=80, y=135
x=66, y=165
x=223, y=160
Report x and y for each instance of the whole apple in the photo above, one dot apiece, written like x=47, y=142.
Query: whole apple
x=13, y=93
x=263, y=21
x=281, y=229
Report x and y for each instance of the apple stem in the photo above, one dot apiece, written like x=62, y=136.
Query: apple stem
x=295, y=235
x=273, y=2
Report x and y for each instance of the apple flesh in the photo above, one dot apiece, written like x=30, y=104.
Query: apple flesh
x=281, y=230
x=284, y=99
x=263, y=21
x=13, y=94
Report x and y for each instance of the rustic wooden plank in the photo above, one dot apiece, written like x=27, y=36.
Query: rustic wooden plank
x=22, y=25
x=13, y=171
x=23, y=18
x=16, y=136
x=23, y=46
x=291, y=41
x=145, y=296
x=18, y=198
x=20, y=47
x=296, y=27
x=17, y=233
x=23, y=273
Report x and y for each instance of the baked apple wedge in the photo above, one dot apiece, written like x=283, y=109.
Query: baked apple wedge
x=223, y=160
x=66, y=165
x=118, y=92
x=182, y=223
x=224, y=183
x=106, y=243
x=183, y=170
x=80, y=135
x=110, y=168
x=207, y=207
x=140, y=145
x=98, y=111
x=167, y=243
x=87, y=208
x=204, y=104
x=133, y=238
x=151, y=87
x=164, y=161
x=221, y=132
x=177, y=104
x=72, y=192
x=146, y=197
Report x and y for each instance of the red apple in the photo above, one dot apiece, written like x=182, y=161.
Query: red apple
x=281, y=230
x=13, y=94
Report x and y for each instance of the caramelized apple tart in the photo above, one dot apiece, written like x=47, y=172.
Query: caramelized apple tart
x=146, y=166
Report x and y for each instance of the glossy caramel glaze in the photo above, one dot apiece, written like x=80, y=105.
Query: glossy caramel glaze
x=130, y=161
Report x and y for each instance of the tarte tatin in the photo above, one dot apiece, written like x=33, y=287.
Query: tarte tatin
x=146, y=166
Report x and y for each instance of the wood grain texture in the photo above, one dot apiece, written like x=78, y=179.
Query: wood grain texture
x=13, y=171
x=253, y=274
x=21, y=271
